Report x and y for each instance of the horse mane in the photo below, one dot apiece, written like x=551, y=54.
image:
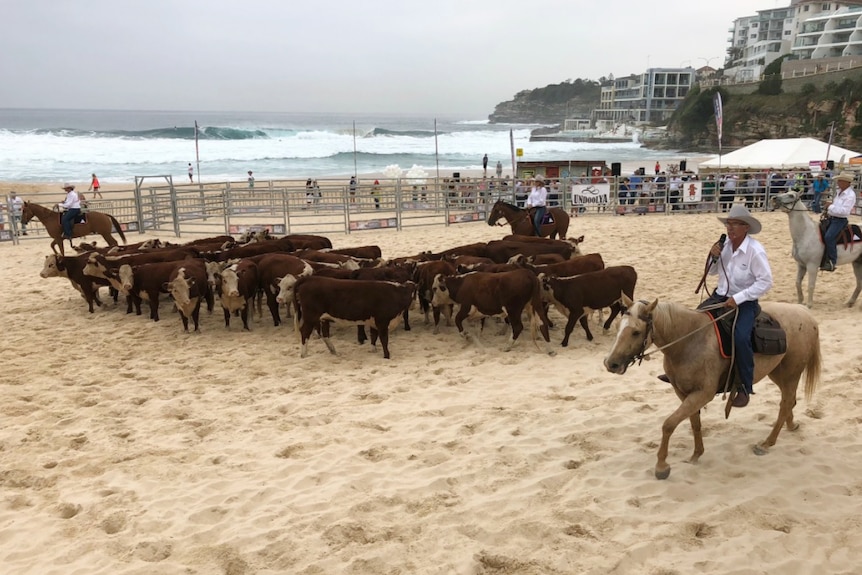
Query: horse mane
x=513, y=206
x=677, y=315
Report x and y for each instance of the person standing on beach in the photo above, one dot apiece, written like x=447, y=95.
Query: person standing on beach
x=191, y=174
x=94, y=187
x=657, y=168
x=17, y=206
x=499, y=169
x=375, y=194
x=250, y=179
x=352, y=187
x=485, y=165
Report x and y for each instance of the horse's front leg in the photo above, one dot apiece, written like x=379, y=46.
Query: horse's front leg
x=800, y=275
x=812, y=280
x=698, y=437
x=689, y=408
x=857, y=271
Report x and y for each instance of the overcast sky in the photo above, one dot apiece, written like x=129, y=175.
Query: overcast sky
x=347, y=56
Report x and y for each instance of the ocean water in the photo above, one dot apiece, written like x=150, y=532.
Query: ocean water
x=69, y=145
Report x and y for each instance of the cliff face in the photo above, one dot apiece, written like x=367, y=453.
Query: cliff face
x=549, y=105
x=750, y=118
x=526, y=111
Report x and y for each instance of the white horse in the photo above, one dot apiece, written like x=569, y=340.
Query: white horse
x=808, y=247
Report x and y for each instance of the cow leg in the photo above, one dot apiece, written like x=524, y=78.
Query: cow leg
x=305, y=330
x=154, y=306
x=226, y=317
x=185, y=321
x=517, y=327
x=196, y=316
x=406, y=316
x=585, y=324
x=273, y=308
x=115, y=293
x=374, y=334
x=244, y=314
x=324, y=332
x=383, y=330
x=570, y=325
x=615, y=310
x=462, y=314
x=360, y=334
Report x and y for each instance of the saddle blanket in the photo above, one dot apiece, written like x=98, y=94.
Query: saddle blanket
x=768, y=336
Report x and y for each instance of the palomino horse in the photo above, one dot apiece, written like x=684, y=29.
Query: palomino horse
x=808, y=247
x=97, y=223
x=697, y=370
x=522, y=224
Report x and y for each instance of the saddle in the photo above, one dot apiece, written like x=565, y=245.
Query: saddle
x=80, y=219
x=546, y=219
x=849, y=235
x=768, y=337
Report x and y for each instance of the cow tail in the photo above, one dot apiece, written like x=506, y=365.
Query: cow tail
x=117, y=227
x=297, y=313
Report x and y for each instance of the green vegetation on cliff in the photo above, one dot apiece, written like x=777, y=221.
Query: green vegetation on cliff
x=770, y=112
x=550, y=104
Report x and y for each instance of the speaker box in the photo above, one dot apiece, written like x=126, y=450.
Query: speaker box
x=830, y=165
x=682, y=165
x=641, y=171
x=456, y=175
x=616, y=169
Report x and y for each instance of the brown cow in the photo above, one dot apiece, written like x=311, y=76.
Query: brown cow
x=277, y=274
x=149, y=280
x=72, y=268
x=282, y=245
x=574, y=242
x=187, y=284
x=575, y=266
x=309, y=241
x=321, y=300
x=505, y=294
x=118, y=270
x=238, y=286
x=502, y=250
x=329, y=258
x=425, y=274
x=360, y=252
x=575, y=296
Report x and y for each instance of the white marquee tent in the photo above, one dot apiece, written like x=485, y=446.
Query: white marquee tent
x=779, y=154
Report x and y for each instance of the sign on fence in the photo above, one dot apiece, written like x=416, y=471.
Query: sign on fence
x=691, y=192
x=373, y=224
x=271, y=228
x=591, y=194
x=468, y=217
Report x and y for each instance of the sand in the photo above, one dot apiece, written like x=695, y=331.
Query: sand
x=130, y=447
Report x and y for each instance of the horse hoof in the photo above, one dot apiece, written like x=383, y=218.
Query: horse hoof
x=760, y=449
x=793, y=427
x=662, y=474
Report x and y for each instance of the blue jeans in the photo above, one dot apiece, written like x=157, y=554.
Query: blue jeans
x=537, y=218
x=68, y=220
x=831, y=236
x=743, y=336
x=815, y=203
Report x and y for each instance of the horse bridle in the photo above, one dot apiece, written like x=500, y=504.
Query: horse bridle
x=642, y=354
x=789, y=206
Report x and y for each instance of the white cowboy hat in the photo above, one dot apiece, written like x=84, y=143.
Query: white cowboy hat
x=68, y=186
x=740, y=212
x=845, y=177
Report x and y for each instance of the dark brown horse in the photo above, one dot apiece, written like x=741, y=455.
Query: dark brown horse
x=521, y=220
x=97, y=223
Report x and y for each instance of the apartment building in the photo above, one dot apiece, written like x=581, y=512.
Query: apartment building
x=806, y=28
x=650, y=97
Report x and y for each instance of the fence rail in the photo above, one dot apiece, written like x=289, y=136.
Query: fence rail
x=226, y=208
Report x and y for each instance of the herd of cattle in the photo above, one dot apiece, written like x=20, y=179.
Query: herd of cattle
x=318, y=284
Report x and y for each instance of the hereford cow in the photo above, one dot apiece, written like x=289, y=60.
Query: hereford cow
x=321, y=300
x=187, y=285
x=575, y=266
x=72, y=268
x=501, y=251
x=506, y=294
x=277, y=274
x=425, y=274
x=575, y=296
x=238, y=287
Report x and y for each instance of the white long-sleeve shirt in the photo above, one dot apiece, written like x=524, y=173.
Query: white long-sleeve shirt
x=537, y=197
x=843, y=203
x=71, y=201
x=743, y=274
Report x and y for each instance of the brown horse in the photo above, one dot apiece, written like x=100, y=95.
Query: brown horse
x=697, y=370
x=97, y=223
x=522, y=223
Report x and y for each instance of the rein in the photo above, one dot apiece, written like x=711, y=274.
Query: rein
x=642, y=354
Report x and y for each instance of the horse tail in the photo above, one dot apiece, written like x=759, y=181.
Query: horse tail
x=117, y=227
x=812, y=371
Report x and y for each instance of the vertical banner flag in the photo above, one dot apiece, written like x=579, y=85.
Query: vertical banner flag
x=512, y=147
x=716, y=102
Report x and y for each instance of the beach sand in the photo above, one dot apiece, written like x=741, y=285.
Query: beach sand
x=130, y=447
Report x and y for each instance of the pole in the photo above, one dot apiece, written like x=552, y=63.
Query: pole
x=436, y=152
x=197, y=153
x=829, y=146
x=512, y=148
x=354, y=148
